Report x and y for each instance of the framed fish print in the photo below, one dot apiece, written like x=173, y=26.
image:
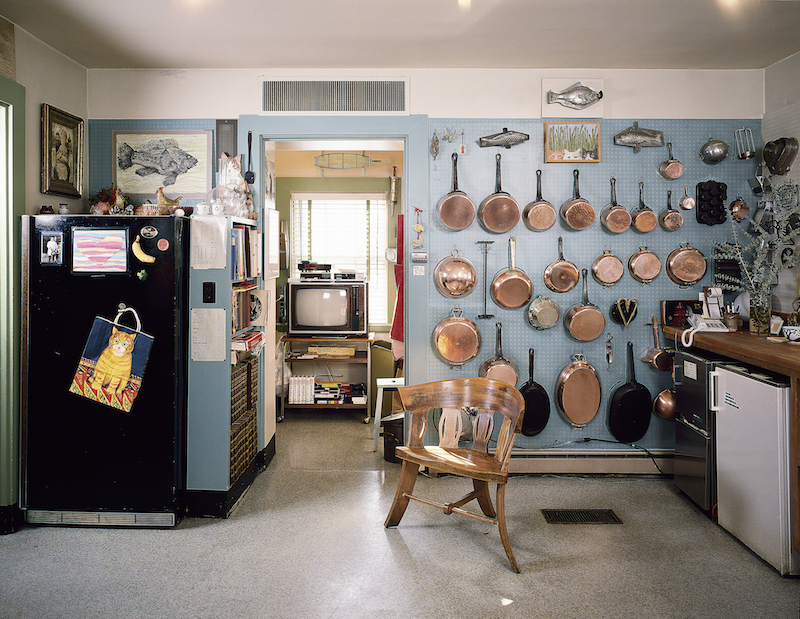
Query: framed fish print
x=180, y=161
x=62, y=153
x=572, y=142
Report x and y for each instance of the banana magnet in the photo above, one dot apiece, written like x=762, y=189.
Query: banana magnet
x=140, y=253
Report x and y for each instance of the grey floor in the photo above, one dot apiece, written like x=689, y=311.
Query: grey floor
x=307, y=541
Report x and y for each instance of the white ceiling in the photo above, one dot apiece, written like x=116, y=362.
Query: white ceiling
x=602, y=34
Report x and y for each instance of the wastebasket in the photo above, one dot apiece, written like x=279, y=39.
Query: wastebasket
x=392, y=435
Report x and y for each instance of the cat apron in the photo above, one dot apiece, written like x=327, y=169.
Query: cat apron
x=113, y=361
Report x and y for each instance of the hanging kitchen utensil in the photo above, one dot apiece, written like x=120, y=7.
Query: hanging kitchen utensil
x=511, y=288
x=249, y=176
x=537, y=403
x=607, y=269
x=629, y=407
x=623, y=311
x=456, y=209
x=686, y=202
x=456, y=339
x=666, y=404
x=660, y=358
x=686, y=265
x=543, y=313
x=644, y=265
x=485, y=251
x=506, y=139
x=670, y=219
x=636, y=137
x=739, y=209
x=671, y=168
x=578, y=392
x=713, y=151
x=498, y=212
x=745, y=147
x=455, y=276
x=609, y=350
x=711, y=198
x=500, y=367
x=614, y=217
x=643, y=218
x=539, y=215
x=780, y=154
x=584, y=321
x=577, y=212
x=561, y=275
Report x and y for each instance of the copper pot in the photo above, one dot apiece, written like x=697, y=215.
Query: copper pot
x=658, y=357
x=665, y=405
x=686, y=265
x=543, y=313
x=456, y=339
x=607, y=269
x=455, y=276
x=739, y=209
x=643, y=218
x=644, y=265
x=578, y=392
x=577, y=212
x=539, y=215
x=498, y=212
x=671, y=168
x=670, y=219
x=584, y=321
x=500, y=367
x=511, y=288
x=456, y=209
x=561, y=275
x=686, y=202
x=615, y=217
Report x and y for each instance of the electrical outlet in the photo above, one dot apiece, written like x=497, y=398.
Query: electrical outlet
x=419, y=269
x=209, y=292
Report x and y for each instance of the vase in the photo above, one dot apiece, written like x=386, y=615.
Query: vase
x=760, y=318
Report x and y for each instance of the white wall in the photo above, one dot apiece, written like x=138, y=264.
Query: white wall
x=437, y=93
x=48, y=77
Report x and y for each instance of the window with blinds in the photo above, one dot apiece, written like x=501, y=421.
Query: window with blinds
x=347, y=231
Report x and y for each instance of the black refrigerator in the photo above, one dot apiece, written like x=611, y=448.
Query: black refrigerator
x=105, y=302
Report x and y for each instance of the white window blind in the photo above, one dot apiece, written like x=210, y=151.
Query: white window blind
x=347, y=231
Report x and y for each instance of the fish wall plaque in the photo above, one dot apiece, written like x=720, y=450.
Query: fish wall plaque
x=636, y=137
x=505, y=138
x=577, y=96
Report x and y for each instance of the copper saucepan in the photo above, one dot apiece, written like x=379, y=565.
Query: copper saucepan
x=539, y=215
x=456, y=339
x=543, y=313
x=658, y=357
x=561, y=275
x=498, y=212
x=607, y=269
x=578, y=392
x=500, y=367
x=644, y=265
x=456, y=209
x=511, y=288
x=686, y=265
x=615, y=217
x=643, y=218
x=584, y=321
x=577, y=212
x=671, y=168
x=686, y=202
x=670, y=219
x=455, y=276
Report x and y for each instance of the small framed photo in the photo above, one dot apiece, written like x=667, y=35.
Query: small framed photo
x=572, y=142
x=51, y=252
x=62, y=153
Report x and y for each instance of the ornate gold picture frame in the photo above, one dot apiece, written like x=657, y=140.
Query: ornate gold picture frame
x=62, y=153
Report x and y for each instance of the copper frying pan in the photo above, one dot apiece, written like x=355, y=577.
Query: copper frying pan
x=498, y=212
x=456, y=209
x=561, y=275
x=578, y=392
x=577, y=212
x=511, y=288
x=615, y=217
x=584, y=321
x=607, y=269
x=539, y=215
x=500, y=367
x=686, y=265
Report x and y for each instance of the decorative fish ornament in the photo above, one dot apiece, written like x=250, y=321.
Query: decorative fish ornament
x=578, y=96
x=506, y=138
x=636, y=137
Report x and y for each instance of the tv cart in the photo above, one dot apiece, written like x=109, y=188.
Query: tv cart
x=345, y=368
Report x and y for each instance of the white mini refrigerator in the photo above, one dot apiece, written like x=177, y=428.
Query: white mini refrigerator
x=753, y=467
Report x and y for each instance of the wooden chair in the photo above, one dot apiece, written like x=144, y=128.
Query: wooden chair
x=483, y=397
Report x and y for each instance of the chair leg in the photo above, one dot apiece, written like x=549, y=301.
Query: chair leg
x=484, y=500
x=405, y=485
x=501, y=524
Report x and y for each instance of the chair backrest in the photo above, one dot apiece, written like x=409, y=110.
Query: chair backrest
x=484, y=396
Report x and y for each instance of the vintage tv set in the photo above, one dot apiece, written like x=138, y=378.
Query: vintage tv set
x=328, y=308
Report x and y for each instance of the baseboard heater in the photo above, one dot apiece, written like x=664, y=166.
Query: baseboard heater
x=591, y=462
x=101, y=519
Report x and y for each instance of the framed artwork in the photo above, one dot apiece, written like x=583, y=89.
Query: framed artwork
x=180, y=161
x=572, y=142
x=51, y=252
x=62, y=153
x=99, y=250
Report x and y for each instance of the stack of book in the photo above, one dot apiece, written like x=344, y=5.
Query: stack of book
x=328, y=393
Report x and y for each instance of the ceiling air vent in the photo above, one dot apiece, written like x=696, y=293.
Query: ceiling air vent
x=360, y=96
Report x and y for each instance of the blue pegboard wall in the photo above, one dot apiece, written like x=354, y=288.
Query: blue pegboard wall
x=536, y=250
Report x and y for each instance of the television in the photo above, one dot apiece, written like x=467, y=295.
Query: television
x=328, y=308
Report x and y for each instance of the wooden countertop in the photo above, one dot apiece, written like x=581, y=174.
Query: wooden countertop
x=780, y=357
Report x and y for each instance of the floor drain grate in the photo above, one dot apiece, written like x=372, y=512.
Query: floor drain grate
x=580, y=516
